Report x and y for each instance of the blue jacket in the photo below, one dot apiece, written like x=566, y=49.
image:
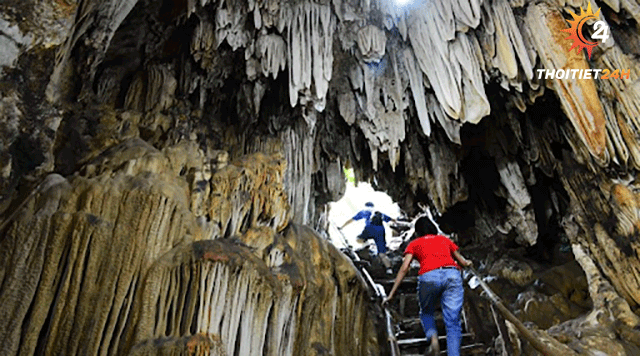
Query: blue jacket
x=366, y=214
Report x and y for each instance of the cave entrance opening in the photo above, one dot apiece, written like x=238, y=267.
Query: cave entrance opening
x=356, y=195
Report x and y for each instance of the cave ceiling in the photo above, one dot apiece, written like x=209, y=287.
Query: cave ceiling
x=413, y=97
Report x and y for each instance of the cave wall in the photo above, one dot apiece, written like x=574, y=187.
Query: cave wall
x=437, y=103
x=113, y=260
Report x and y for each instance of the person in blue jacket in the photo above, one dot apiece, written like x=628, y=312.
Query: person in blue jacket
x=373, y=229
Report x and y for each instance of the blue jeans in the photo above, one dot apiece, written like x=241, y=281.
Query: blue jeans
x=445, y=285
x=375, y=232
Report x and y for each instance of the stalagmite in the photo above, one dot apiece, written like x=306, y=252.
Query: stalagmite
x=603, y=295
x=232, y=294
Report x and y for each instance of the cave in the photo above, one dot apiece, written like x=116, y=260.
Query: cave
x=166, y=168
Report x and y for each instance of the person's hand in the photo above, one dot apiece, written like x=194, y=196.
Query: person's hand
x=386, y=301
x=467, y=263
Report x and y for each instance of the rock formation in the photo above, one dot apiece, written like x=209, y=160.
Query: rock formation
x=116, y=255
x=152, y=150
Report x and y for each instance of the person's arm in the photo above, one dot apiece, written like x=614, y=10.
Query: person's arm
x=401, y=273
x=386, y=218
x=461, y=260
x=347, y=223
x=359, y=216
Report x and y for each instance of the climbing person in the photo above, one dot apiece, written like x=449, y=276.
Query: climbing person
x=374, y=229
x=439, y=280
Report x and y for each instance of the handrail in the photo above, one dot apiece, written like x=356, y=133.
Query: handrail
x=380, y=294
x=391, y=336
x=526, y=333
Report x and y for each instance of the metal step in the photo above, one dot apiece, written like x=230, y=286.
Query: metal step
x=420, y=341
x=472, y=349
x=405, y=281
x=410, y=326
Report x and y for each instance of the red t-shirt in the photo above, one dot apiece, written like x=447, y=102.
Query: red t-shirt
x=432, y=251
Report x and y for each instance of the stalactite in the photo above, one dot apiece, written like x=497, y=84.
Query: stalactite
x=371, y=42
x=271, y=50
x=295, y=146
x=521, y=216
x=579, y=97
x=230, y=19
x=475, y=105
x=153, y=92
x=203, y=44
x=620, y=103
x=383, y=105
x=441, y=171
x=437, y=114
x=429, y=36
x=509, y=41
x=309, y=51
x=417, y=89
x=451, y=62
x=539, y=145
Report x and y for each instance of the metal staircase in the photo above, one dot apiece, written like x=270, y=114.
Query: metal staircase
x=404, y=330
x=408, y=329
x=402, y=322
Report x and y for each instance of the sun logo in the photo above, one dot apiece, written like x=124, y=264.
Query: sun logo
x=579, y=41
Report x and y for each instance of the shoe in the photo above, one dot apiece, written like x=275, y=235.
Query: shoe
x=435, y=351
x=434, y=348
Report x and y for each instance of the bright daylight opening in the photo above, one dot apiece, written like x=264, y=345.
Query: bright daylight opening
x=402, y=2
x=357, y=194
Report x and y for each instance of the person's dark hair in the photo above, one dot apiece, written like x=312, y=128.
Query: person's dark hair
x=368, y=204
x=424, y=226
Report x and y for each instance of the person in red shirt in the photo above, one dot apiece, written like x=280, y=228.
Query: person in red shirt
x=439, y=280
